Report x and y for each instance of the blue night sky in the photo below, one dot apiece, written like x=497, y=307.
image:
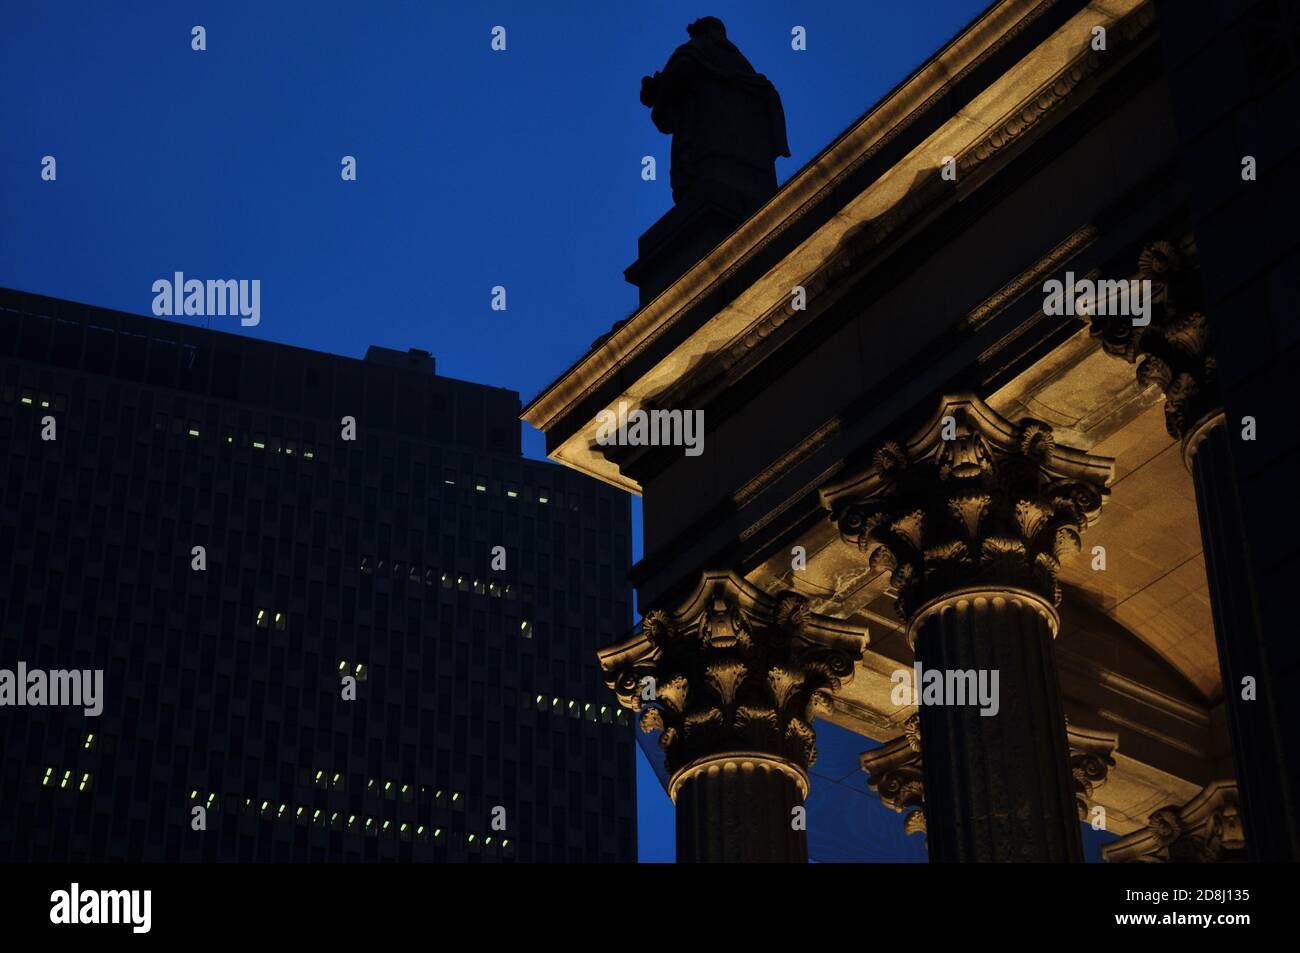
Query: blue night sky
x=474, y=168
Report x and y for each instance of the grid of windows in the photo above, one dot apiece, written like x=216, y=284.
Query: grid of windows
x=322, y=558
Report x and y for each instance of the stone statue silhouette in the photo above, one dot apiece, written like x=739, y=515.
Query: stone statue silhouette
x=726, y=120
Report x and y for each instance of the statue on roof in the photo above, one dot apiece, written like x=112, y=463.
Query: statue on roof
x=725, y=118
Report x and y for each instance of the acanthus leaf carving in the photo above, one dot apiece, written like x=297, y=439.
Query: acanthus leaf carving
x=736, y=670
x=1173, y=349
x=971, y=496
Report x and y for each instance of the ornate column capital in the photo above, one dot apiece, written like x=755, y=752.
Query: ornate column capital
x=896, y=770
x=1207, y=829
x=1174, y=349
x=971, y=502
x=1091, y=758
x=734, y=672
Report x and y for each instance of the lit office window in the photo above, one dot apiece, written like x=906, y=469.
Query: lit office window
x=90, y=742
x=85, y=782
x=525, y=628
x=261, y=618
x=280, y=621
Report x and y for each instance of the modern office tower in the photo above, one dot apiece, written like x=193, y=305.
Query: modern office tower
x=338, y=616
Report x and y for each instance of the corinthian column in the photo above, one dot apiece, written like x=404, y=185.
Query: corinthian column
x=970, y=518
x=734, y=678
x=1175, y=352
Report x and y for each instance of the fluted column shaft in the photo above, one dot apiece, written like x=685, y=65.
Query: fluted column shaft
x=739, y=808
x=1256, y=747
x=997, y=787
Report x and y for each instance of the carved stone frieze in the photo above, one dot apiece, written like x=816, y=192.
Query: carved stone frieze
x=972, y=499
x=733, y=669
x=1207, y=829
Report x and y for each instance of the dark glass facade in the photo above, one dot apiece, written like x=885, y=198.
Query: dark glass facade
x=476, y=687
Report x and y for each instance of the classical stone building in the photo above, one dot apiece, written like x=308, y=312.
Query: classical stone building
x=997, y=384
